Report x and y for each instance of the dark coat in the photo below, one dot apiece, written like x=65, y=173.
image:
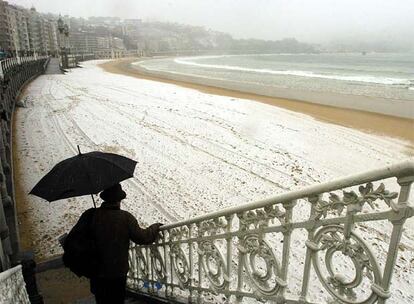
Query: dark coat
x=112, y=230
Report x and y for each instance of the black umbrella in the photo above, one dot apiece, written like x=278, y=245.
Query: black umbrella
x=83, y=174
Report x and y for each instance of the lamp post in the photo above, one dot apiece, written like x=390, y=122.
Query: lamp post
x=63, y=37
x=66, y=32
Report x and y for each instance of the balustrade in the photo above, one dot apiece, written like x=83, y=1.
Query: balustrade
x=14, y=73
x=6, y=65
x=12, y=287
x=312, y=245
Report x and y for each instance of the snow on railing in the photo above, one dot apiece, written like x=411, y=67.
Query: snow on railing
x=305, y=246
x=12, y=286
x=9, y=63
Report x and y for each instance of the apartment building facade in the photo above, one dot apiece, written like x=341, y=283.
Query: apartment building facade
x=26, y=32
x=5, y=31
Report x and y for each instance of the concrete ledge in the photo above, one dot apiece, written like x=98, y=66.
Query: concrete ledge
x=54, y=263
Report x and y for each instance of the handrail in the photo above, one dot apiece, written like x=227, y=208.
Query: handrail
x=402, y=169
x=295, y=247
x=13, y=287
x=9, y=272
x=9, y=63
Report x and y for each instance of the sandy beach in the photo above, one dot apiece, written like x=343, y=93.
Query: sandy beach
x=396, y=127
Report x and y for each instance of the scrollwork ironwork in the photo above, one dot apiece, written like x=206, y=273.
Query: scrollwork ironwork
x=181, y=265
x=212, y=226
x=354, y=202
x=266, y=281
x=260, y=218
x=331, y=240
x=201, y=261
x=142, y=264
x=179, y=233
x=158, y=265
x=217, y=275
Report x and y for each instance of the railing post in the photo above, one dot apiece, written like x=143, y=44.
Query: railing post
x=29, y=275
x=403, y=207
x=309, y=251
x=149, y=270
x=200, y=269
x=171, y=266
x=229, y=241
x=239, y=290
x=191, y=262
x=164, y=238
x=286, y=248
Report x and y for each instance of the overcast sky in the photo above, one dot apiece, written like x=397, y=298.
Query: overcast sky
x=317, y=21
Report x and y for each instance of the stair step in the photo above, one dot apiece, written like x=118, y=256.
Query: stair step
x=91, y=300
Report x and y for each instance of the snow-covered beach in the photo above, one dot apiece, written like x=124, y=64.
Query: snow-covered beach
x=196, y=152
x=376, y=120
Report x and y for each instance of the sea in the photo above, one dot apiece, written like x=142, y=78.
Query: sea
x=382, y=75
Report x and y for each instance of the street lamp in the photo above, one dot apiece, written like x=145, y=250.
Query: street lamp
x=64, y=33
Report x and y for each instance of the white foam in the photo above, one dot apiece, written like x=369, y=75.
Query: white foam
x=356, y=78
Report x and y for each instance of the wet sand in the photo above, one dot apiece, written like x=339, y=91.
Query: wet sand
x=400, y=128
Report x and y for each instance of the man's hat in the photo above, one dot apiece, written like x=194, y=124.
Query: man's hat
x=113, y=194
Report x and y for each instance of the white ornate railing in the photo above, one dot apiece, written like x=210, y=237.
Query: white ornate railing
x=305, y=246
x=12, y=287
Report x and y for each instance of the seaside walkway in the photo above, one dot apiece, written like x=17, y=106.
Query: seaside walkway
x=53, y=67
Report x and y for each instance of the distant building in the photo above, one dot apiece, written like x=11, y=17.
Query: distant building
x=35, y=31
x=118, y=43
x=109, y=53
x=83, y=41
x=19, y=29
x=104, y=21
x=43, y=36
x=104, y=42
x=26, y=32
x=5, y=28
x=53, y=35
x=130, y=27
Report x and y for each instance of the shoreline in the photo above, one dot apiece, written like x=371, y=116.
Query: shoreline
x=401, y=108
x=373, y=123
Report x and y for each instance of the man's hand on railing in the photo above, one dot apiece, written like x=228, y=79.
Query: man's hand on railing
x=157, y=227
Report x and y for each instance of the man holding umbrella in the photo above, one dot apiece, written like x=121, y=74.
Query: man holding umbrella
x=112, y=229
x=97, y=246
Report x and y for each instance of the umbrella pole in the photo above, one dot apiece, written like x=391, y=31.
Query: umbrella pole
x=94, y=204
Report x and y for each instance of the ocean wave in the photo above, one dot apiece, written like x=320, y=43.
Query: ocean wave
x=354, y=78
